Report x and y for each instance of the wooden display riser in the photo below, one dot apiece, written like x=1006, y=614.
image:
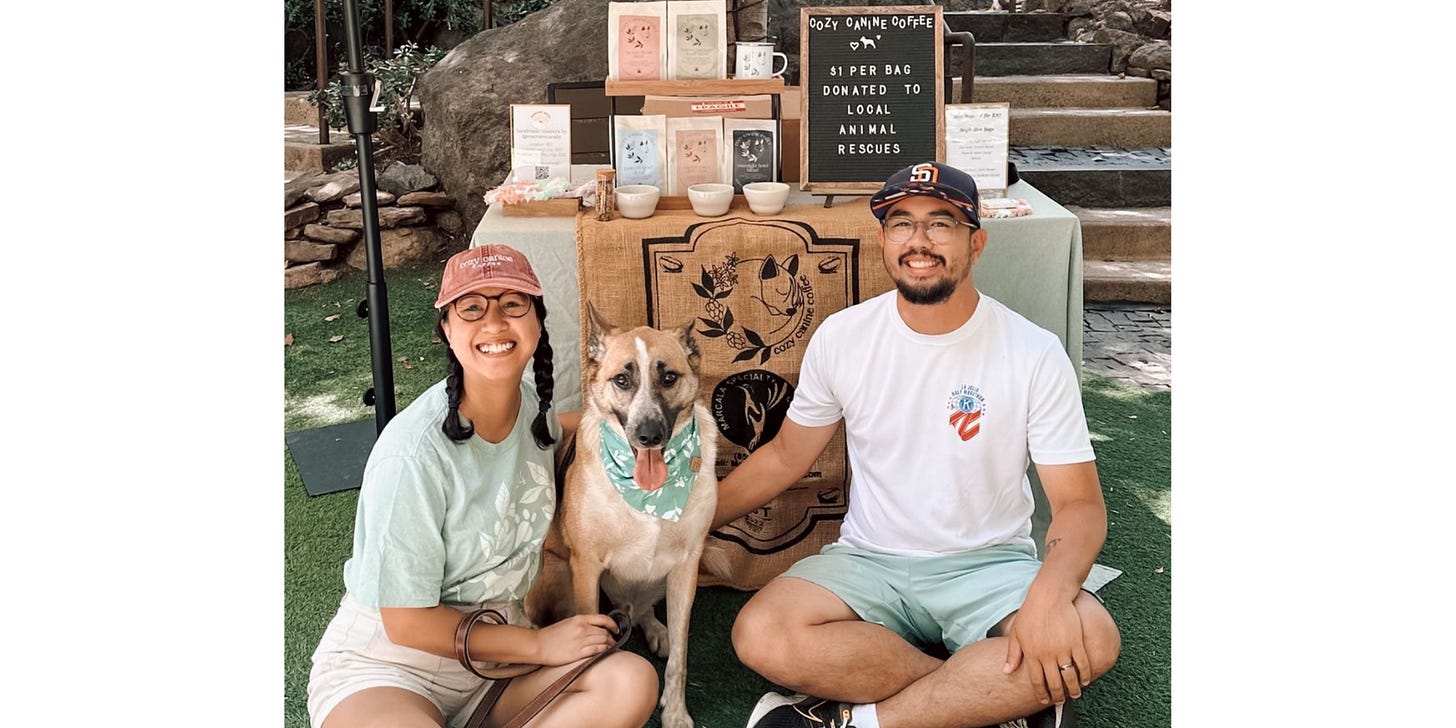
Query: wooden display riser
x=681, y=202
x=696, y=87
x=558, y=207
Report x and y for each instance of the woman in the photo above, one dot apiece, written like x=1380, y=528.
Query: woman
x=456, y=500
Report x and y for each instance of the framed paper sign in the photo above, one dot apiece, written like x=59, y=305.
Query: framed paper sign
x=540, y=141
x=872, y=94
x=977, y=142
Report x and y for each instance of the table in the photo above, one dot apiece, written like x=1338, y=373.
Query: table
x=550, y=244
x=1033, y=264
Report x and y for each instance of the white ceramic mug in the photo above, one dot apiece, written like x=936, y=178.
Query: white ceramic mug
x=755, y=60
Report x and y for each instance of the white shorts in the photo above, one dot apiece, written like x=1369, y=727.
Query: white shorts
x=355, y=654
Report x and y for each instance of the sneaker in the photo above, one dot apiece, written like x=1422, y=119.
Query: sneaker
x=1057, y=716
x=798, y=711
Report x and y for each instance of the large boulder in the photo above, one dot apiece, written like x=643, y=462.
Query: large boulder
x=467, y=96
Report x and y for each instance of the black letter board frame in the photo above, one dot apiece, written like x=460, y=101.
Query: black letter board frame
x=919, y=125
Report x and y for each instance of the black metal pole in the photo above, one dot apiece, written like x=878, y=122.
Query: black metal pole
x=388, y=29
x=321, y=67
x=358, y=89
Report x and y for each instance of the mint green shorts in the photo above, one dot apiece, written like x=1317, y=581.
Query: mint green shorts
x=951, y=599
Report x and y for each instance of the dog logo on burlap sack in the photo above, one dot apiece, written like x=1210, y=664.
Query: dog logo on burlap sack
x=756, y=289
x=779, y=302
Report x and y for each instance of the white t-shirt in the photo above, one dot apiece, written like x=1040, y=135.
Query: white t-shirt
x=445, y=522
x=940, y=428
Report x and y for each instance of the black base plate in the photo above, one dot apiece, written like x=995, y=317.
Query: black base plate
x=331, y=459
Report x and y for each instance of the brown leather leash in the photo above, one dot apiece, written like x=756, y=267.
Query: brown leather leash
x=502, y=677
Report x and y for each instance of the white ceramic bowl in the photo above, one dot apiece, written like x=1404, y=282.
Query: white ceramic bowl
x=710, y=199
x=766, y=198
x=637, y=201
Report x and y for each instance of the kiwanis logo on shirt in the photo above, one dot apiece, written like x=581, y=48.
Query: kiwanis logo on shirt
x=966, y=406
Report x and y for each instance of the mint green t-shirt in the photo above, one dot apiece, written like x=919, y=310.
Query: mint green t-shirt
x=445, y=522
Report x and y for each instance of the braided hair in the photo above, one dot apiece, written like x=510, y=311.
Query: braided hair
x=454, y=386
x=455, y=382
x=545, y=382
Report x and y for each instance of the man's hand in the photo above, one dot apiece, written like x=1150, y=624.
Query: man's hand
x=1046, y=633
x=1047, y=637
x=771, y=469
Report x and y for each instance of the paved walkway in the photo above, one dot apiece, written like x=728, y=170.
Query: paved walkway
x=1130, y=342
x=1033, y=156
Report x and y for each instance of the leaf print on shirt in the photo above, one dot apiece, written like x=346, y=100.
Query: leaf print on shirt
x=538, y=473
x=532, y=495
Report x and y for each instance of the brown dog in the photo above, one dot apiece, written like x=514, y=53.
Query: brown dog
x=639, y=497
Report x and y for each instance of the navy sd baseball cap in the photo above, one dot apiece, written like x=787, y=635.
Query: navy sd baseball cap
x=929, y=178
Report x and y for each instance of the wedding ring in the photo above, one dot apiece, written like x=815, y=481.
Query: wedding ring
x=1067, y=666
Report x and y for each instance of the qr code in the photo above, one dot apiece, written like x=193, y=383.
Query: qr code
x=543, y=172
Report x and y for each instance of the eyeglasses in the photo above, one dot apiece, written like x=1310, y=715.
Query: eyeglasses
x=474, y=306
x=938, y=230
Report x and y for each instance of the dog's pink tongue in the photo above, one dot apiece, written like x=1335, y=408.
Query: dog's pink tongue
x=650, y=472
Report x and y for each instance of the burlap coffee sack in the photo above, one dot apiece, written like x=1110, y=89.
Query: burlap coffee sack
x=757, y=288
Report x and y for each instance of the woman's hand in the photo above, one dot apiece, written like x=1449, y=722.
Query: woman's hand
x=574, y=638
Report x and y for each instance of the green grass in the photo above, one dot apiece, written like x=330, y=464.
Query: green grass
x=324, y=380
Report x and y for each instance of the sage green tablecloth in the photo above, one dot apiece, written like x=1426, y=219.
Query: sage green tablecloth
x=1032, y=264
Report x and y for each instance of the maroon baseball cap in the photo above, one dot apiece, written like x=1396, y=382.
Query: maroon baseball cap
x=492, y=265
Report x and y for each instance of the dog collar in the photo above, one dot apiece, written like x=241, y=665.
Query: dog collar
x=681, y=455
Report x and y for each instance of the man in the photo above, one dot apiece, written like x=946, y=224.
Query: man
x=945, y=394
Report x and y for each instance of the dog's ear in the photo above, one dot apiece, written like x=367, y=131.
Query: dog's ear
x=690, y=344
x=598, y=330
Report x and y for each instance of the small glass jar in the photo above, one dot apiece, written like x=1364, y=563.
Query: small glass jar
x=606, y=201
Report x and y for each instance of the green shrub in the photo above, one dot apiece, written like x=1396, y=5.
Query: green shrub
x=424, y=22
x=398, y=77
x=509, y=12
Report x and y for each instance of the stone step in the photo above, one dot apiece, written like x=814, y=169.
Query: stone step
x=1003, y=27
x=1141, y=281
x=1097, y=176
x=1132, y=233
x=297, y=111
x=1036, y=59
x=1104, y=187
x=1087, y=127
x=1065, y=91
x=302, y=151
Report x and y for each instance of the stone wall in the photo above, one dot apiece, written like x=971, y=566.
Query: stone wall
x=1140, y=32
x=323, y=224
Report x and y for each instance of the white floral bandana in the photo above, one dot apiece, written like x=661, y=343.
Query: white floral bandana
x=682, y=455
